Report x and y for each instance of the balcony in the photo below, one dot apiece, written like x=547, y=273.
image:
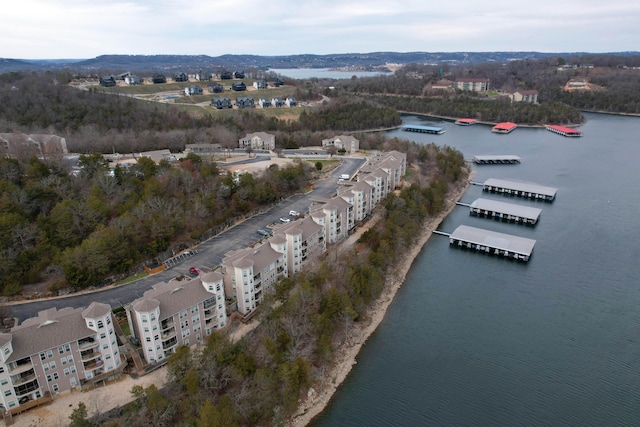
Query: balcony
x=87, y=343
x=89, y=355
x=169, y=343
x=27, y=376
x=208, y=314
x=168, y=334
x=211, y=322
x=26, y=388
x=93, y=365
x=167, y=323
x=20, y=366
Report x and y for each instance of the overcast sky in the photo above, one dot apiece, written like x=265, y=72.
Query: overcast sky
x=48, y=29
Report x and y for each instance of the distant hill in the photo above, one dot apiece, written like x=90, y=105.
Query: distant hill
x=192, y=63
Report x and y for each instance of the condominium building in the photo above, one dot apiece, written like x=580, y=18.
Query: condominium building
x=178, y=312
x=303, y=240
x=258, y=141
x=472, y=84
x=58, y=351
x=250, y=273
x=335, y=215
x=342, y=142
x=359, y=195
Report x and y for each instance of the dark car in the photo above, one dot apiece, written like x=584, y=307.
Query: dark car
x=263, y=232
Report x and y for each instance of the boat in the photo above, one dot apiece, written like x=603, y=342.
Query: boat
x=504, y=127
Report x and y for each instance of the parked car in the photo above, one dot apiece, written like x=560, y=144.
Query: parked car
x=263, y=232
x=285, y=219
x=195, y=270
x=294, y=213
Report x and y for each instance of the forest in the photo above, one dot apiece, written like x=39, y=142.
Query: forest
x=260, y=379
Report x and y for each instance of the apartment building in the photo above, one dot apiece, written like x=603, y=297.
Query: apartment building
x=335, y=215
x=250, y=273
x=472, y=84
x=258, y=141
x=342, y=142
x=359, y=195
x=178, y=312
x=301, y=241
x=58, y=351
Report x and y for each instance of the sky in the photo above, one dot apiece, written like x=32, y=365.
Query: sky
x=56, y=29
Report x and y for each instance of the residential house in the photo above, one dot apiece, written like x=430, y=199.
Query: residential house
x=158, y=78
x=221, y=103
x=251, y=273
x=133, y=80
x=260, y=84
x=180, y=77
x=107, y=81
x=203, y=76
x=238, y=86
x=215, y=87
x=277, y=82
x=304, y=241
x=530, y=96
x=176, y=313
x=264, y=103
x=238, y=74
x=291, y=102
x=342, y=142
x=192, y=90
x=472, y=84
x=58, y=351
x=225, y=75
x=277, y=102
x=245, y=102
x=258, y=141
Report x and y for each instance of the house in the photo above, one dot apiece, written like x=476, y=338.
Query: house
x=277, y=82
x=133, y=80
x=258, y=141
x=58, y=351
x=107, y=81
x=221, y=103
x=260, y=84
x=291, y=102
x=530, y=96
x=342, y=142
x=176, y=313
x=264, y=103
x=251, y=273
x=226, y=75
x=203, y=76
x=180, y=77
x=158, y=78
x=302, y=241
x=238, y=74
x=238, y=86
x=245, y=102
x=277, y=102
x=214, y=87
x=472, y=84
x=192, y=90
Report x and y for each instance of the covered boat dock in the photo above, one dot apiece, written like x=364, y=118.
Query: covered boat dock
x=520, y=189
x=465, y=122
x=493, y=243
x=424, y=129
x=496, y=160
x=564, y=131
x=505, y=211
x=504, y=127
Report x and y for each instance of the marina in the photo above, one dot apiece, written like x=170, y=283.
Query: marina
x=519, y=189
x=505, y=211
x=424, y=129
x=504, y=127
x=493, y=243
x=496, y=160
x=465, y=122
x=564, y=131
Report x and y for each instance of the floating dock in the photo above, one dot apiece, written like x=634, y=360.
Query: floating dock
x=496, y=160
x=424, y=129
x=465, y=122
x=520, y=189
x=493, y=243
x=504, y=127
x=564, y=131
x=505, y=211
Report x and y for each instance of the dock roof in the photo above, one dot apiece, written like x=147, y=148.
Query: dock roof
x=421, y=128
x=506, y=208
x=507, y=242
x=497, y=157
x=521, y=186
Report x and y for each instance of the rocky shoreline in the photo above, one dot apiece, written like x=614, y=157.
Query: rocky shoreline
x=345, y=355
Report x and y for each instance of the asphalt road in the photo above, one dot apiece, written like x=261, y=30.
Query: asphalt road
x=209, y=254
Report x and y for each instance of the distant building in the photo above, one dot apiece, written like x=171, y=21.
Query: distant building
x=264, y=103
x=258, y=141
x=530, y=96
x=472, y=84
x=214, y=87
x=133, y=80
x=192, y=90
x=238, y=86
x=291, y=102
x=260, y=84
x=245, y=102
x=277, y=102
x=221, y=103
x=203, y=76
x=107, y=81
x=158, y=78
x=238, y=74
x=346, y=142
x=180, y=77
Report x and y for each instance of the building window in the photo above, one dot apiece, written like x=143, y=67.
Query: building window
x=67, y=347
x=107, y=357
x=55, y=388
x=49, y=378
x=148, y=339
x=7, y=392
x=103, y=336
x=66, y=372
x=100, y=324
x=60, y=350
x=49, y=354
x=3, y=381
x=73, y=369
x=55, y=376
x=53, y=365
x=108, y=320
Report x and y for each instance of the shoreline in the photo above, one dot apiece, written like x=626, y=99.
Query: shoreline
x=346, y=355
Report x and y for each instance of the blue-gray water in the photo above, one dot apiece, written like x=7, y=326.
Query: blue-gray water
x=474, y=340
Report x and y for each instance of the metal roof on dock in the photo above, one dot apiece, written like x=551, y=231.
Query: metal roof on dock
x=506, y=158
x=423, y=129
x=506, y=208
x=521, y=186
x=492, y=239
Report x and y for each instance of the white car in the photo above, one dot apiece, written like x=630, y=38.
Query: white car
x=285, y=219
x=294, y=213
